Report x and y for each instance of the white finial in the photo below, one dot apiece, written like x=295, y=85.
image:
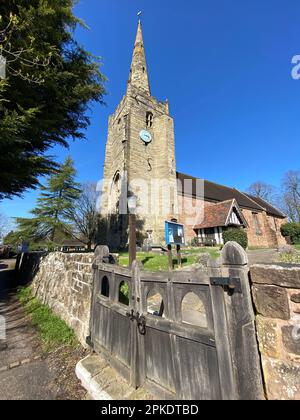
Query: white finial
x=139, y=14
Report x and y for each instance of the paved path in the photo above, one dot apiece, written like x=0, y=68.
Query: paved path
x=263, y=256
x=25, y=374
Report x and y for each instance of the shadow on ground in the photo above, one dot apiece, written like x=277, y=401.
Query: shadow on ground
x=7, y=282
x=26, y=373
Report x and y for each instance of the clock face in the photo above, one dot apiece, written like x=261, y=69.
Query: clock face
x=145, y=136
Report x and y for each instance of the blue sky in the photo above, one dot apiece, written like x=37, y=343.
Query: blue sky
x=225, y=66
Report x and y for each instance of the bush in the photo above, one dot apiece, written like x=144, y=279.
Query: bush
x=236, y=235
x=194, y=242
x=291, y=230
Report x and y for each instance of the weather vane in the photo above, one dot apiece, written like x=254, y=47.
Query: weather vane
x=139, y=14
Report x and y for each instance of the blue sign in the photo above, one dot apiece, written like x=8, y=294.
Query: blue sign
x=174, y=234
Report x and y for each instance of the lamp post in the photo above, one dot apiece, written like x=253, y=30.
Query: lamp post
x=132, y=228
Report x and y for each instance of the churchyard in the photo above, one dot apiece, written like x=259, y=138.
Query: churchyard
x=139, y=281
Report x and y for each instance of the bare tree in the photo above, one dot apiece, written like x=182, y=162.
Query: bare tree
x=84, y=215
x=291, y=195
x=262, y=190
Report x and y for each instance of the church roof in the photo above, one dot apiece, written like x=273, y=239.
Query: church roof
x=271, y=210
x=218, y=193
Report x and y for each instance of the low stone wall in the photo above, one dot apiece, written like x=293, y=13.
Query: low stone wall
x=64, y=283
x=276, y=295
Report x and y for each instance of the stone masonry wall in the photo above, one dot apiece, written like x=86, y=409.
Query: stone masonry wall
x=63, y=282
x=276, y=295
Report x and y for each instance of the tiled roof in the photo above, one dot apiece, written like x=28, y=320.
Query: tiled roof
x=215, y=215
x=216, y=193
x=271, y=210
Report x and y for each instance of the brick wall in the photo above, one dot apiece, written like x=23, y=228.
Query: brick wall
x=270, y=236
x=276, y=295
x=191, y=213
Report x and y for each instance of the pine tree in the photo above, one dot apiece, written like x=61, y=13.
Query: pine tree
x=50, y=215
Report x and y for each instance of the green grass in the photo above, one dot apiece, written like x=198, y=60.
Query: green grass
x=290, y=258
x=213, y=252
x=157, y=262
x=52, y=331
x=124, y=293
x=257, y=248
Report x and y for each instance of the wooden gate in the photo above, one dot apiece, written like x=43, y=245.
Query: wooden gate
x=183, y=335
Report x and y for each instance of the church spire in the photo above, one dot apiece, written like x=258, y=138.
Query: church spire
x=138, y=73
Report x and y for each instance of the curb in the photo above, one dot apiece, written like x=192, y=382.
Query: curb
x=88, y=382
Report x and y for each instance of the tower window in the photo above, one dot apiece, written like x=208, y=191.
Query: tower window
x=149, y=119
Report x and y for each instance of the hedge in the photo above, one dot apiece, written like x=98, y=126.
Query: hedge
x=291, y=230
x=236, y=235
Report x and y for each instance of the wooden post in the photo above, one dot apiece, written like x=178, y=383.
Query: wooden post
x=134, y=367
x=138, y=356
x=241, y=323
x=170, y=257
x=132, y=238
x=179, y=256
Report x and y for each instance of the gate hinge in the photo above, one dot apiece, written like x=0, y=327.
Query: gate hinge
x=230, y=284
x=89, y=342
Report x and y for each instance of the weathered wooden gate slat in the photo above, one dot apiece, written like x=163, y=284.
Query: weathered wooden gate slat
x=199, y=344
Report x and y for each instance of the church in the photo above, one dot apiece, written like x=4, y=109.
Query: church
x=140, y=162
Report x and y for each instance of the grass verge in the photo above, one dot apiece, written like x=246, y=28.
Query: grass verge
x=52, y=330
x=156, y=262
x=290, y=258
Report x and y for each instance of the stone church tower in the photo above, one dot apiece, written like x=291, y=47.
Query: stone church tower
x=140, y=158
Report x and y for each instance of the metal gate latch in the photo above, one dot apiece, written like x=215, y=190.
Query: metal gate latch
x=140, y=320
x=230, y=284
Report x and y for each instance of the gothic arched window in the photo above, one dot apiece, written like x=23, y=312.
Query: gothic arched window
x=193, y=311
x=115, y=192
x=149, y=119
x=124, y=292
x=105, y=287
x=155, y=304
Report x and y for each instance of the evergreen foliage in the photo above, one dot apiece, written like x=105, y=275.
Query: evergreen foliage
x=56, y=200
x=50, y=81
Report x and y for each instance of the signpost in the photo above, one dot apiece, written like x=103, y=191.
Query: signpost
x=174, y=233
